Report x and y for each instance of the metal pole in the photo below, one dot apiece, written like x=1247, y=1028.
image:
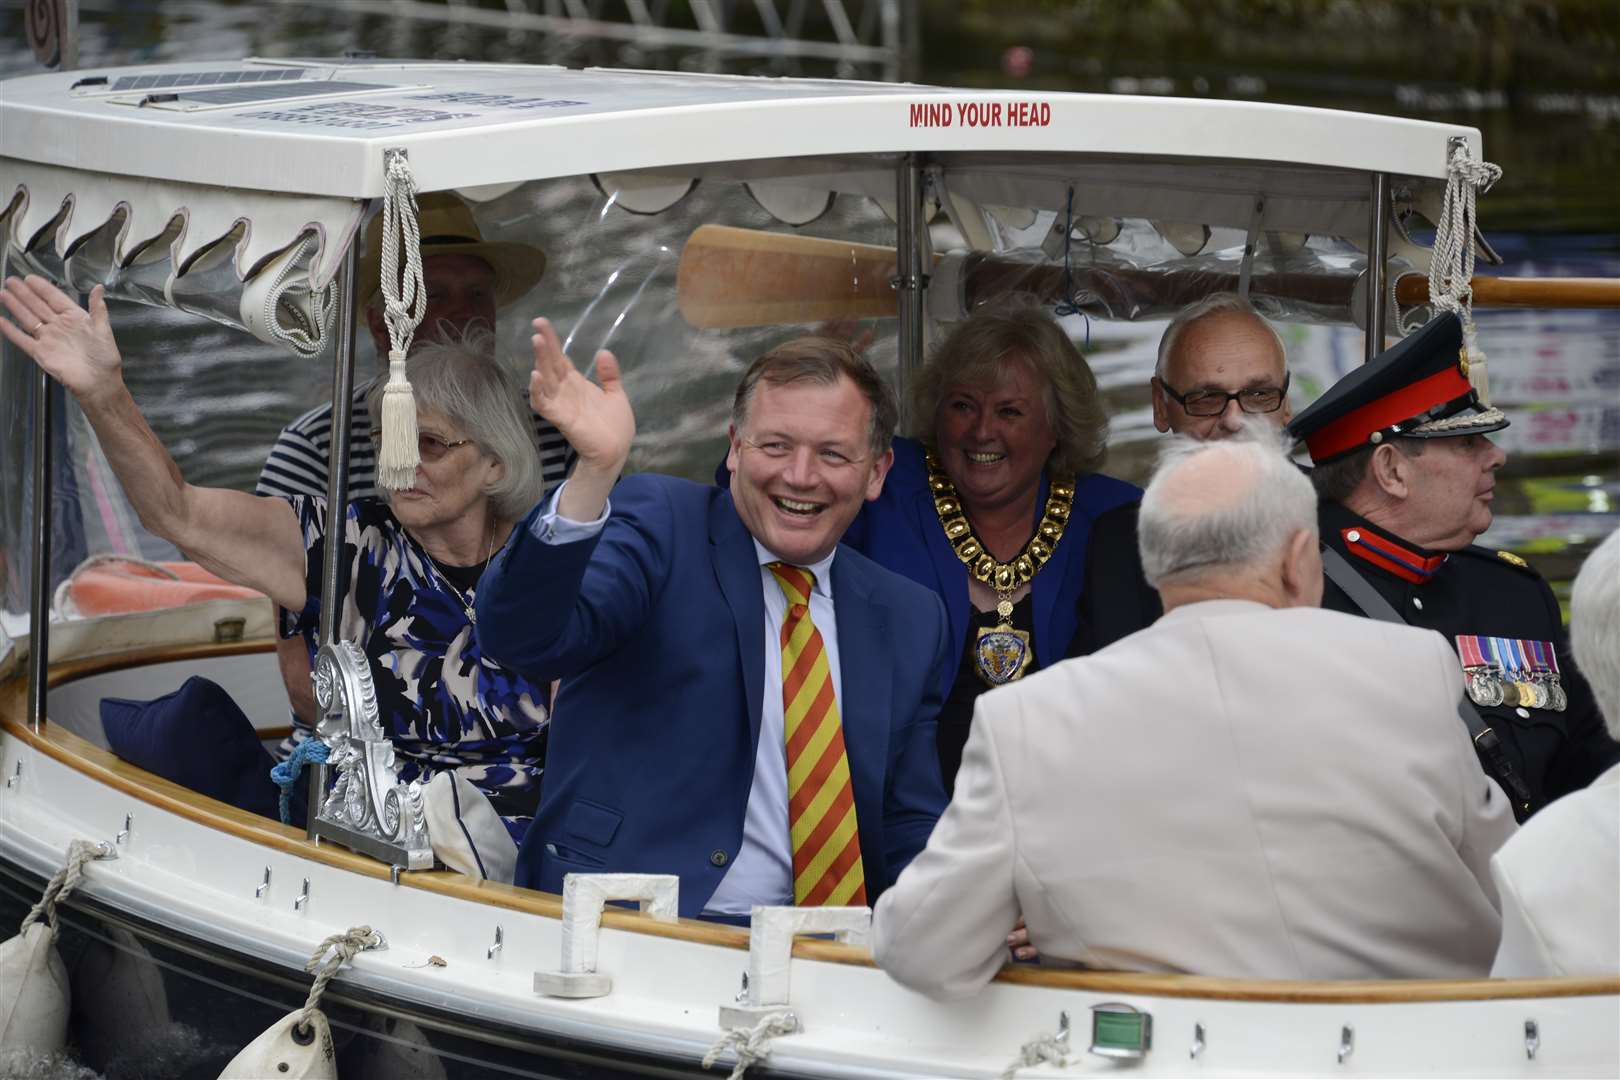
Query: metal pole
x=39, y=605
x=910, y=280
x=337, y=486
x=1377, y=264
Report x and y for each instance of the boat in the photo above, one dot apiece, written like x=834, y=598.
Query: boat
x=688, y=219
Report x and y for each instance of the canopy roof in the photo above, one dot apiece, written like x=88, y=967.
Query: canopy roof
x=270, y=163
x=318, y=127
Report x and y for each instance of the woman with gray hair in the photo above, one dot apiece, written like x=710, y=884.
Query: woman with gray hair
x=992, y=502
x=412, y=561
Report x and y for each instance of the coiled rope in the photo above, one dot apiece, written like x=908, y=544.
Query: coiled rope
x=404, y=305
x=285, y=773
x=343, y=948
x=1451, y=263
x=1053, y=1049
x=64, y=881
x=751, y=1045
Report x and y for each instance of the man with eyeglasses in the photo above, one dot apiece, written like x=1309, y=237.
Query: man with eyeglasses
x=1407, y=475
x=1219, y=362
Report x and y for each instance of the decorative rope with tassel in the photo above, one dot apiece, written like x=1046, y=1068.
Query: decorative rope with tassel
x=751, y=1045
x=404, y=304
x=343, y=948
x=65, y=881
x=1451, y=264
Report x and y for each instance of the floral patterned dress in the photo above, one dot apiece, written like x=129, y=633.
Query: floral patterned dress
x=442, y=702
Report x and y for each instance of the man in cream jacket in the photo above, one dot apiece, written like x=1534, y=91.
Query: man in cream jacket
x=1250, y=787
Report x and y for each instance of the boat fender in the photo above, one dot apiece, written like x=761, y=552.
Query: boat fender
x=33, y=992
x=297, y=1047
x=34, y=998
x=119, y=1000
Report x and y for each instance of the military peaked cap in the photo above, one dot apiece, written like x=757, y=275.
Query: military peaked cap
x=1418, y=388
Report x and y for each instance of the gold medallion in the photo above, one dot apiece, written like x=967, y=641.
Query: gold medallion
x=1002, y=653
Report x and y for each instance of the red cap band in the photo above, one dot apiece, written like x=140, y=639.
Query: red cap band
x=1352, y=429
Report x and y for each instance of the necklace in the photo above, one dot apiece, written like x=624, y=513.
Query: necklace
x=1001, y=654
x=444, y=578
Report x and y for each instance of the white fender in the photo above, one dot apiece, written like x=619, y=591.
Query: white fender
x=33, y=992
x=278, y=1054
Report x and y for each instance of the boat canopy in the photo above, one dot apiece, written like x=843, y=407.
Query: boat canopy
x=156, y=181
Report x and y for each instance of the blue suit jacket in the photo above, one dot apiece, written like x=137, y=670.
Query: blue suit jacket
x=900, y=530
x=656, y=625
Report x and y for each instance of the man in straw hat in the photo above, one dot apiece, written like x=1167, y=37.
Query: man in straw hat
x=467, y=279
x=1406, y=476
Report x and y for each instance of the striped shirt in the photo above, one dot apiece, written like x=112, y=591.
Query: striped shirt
x=297, y=462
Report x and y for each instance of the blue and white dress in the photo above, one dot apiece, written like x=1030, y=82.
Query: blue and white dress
x=442, y=702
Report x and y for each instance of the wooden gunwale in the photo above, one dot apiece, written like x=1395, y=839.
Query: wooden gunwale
x=100, y=765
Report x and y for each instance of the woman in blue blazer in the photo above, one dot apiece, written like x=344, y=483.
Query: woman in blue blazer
x=992, y=507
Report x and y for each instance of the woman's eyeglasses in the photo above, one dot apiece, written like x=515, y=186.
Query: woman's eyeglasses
x=428, y=447
x=1259, y=399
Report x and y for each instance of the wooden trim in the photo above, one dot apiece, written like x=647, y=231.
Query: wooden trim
x=105, y=768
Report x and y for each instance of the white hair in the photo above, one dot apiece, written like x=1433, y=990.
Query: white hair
x=1212, y=304
x=1187, y=529
x=1594, y=627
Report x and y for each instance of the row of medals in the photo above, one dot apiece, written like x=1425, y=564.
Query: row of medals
x=1489, y=685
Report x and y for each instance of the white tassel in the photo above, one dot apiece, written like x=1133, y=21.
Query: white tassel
x=1478, y=377
x=398, y=456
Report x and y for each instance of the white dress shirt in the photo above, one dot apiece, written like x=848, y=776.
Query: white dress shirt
x=762, y=872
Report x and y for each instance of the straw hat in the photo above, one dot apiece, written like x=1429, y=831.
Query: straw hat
x=448, y=228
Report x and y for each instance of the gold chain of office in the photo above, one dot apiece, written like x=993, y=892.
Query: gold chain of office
x=1003, y=577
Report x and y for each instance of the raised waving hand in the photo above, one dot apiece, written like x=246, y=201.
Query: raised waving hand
x=74, y=346
x=595, y=418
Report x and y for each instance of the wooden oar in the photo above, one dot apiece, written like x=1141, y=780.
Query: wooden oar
x=730, y=277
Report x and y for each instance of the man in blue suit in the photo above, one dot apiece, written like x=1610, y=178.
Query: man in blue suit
x=663, y=615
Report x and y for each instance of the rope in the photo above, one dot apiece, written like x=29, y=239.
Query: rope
x=1049, y=1048
x=1451, y=264
x=751, y=1045
x=1070, y=304
x=63, y=883
x=404, y=305
x=343, y=948
x=285, y=773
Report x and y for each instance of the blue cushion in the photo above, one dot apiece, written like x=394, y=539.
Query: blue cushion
x=197, y=737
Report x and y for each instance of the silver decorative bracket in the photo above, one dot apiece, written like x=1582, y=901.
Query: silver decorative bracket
x=367, y=809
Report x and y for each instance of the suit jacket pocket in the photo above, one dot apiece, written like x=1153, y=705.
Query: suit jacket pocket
x=592, y=822
x=566, y=858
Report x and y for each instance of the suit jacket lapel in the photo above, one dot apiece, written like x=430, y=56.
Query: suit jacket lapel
x=864, y=662
x=736, y=568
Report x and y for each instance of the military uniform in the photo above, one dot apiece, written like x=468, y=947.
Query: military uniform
x=1476, y=592
x=1492, y=608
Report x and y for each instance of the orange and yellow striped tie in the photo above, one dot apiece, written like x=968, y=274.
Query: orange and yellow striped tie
x=821, y=798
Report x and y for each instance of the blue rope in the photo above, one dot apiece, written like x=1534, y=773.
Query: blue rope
x=285, y=773
x=1068, y=306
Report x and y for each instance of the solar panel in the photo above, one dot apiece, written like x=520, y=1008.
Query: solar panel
x=127, y=83
x=254, y=95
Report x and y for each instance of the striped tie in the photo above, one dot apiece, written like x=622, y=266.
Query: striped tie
x=821, y=799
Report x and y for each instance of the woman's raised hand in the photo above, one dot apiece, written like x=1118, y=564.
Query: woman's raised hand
x=595, y=418
x=74, y=346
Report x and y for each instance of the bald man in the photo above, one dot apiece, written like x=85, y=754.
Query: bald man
x=1225, y=793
